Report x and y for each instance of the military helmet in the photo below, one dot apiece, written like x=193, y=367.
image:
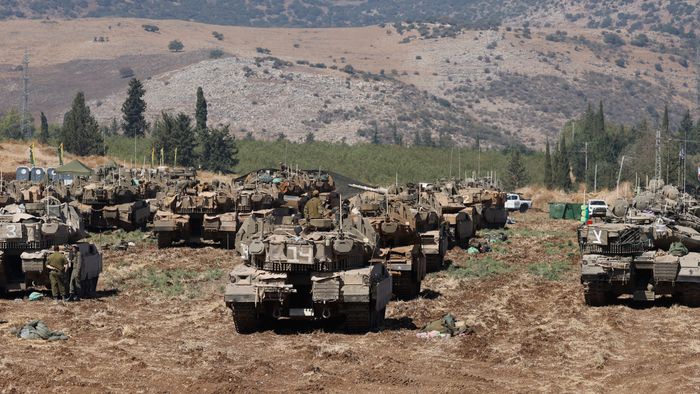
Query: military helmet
x=315, y=193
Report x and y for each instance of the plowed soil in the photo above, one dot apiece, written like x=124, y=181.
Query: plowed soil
x=160, y=325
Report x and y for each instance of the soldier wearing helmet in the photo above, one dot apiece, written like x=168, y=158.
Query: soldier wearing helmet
x=314, y=207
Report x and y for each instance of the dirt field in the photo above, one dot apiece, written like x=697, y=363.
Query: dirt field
x=160, y=326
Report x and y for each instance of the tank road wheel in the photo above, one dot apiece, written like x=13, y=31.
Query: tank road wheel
x=595, y=296
x=164, y=240
x=691, y=297
x=245, y=317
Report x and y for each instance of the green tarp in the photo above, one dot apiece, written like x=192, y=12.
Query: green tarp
x=76, y=168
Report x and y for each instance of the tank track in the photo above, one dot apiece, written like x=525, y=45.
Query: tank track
x=405, y=287
x=691, y=297
x=245, y=318
x=596, y=296
x=434, y=263
x=361, y=317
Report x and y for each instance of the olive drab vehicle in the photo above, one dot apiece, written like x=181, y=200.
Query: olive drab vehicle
x=318, y=269
x=461, y=220
x=400, y=228
x=36, y=273
x=197, y=213
x=33, y=227
x=642, y=251
x=106, y=205
x=487, y=203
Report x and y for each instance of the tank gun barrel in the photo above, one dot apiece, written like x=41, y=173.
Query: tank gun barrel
x=378, y=190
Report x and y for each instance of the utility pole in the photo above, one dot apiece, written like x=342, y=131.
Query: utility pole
x=24, y=122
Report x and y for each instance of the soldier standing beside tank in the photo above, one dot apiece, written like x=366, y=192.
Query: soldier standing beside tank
x=314, y=207
x=74, y=283
x=57, y=265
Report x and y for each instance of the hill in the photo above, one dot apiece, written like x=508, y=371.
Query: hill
x=517, y=83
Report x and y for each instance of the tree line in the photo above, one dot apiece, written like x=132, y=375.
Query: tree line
x=590, y=151
x=192, y=144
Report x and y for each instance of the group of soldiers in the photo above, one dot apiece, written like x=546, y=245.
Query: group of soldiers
x=64, y=272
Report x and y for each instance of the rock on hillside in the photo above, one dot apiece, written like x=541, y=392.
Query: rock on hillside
x=270, y=98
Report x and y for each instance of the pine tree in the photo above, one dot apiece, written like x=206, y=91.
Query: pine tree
x=219, y=151
x=44, y=133
x=133, y=109
x=170, y=132
x=548, y=182
x=80, y=133
x=201, y=112
x=516, y=175
x=417, y=141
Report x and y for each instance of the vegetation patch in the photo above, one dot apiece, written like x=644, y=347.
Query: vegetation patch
x=478, y=268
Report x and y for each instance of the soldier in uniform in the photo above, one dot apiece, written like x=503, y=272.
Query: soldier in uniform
x=314, y=207
x=57, y=265
x=74, y=283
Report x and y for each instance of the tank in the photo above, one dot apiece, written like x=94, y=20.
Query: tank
x=400, y=246
x=195, y=215
x=106, y=205
x=462, y=221
x=487, y=201
x=627, y=259
x=315, y=270
x=32, y=228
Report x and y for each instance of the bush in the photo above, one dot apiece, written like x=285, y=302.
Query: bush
x=640, y=40
x=620, y=62
x=613, y=39
x=151, y=28
x=216, y=54
x=176, y=46
x=126, y=72
x=264, y=51
x=658, y=67
x=217, y=35
x=683, y=62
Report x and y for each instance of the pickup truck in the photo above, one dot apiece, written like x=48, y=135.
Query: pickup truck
x=515, y=203
x=597, y=208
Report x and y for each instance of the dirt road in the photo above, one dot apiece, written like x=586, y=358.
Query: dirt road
x=160, y=326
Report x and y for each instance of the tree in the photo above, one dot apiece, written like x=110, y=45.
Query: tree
x=80, y=133
x=170, y=132
x=133, y=109
x=548, y=182
x=219, y=151
x=310, y=138
x=516, y=175
x=176, y=46
x=44, y=134
x=11, y=125
x=201, y=110
x=563, y=180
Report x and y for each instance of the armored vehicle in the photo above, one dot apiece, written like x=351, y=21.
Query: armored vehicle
x=320, y=269
x=106, y=205
x=488, y=204
x=623, y=258
x=36, y=274
x=462, y=221
x=35, y=227
x=195, y=216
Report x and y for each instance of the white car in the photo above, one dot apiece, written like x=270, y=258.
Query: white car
x=597, y=208
x=515, y=203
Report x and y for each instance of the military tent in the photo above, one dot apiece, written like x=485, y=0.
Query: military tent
x=75, y=168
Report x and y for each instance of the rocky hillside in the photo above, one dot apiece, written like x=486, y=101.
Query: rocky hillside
x=269, y=98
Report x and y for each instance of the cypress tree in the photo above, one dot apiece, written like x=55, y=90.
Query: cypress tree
x=201, y=112
x=80, y=133
x=548, y=167
x=133, y=109
x=516, y=176
x=563, y=181
x=44, y=133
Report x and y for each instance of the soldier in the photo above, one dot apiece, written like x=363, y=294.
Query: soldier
x=57, y=265
x=314, y=207
x=74, y=283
